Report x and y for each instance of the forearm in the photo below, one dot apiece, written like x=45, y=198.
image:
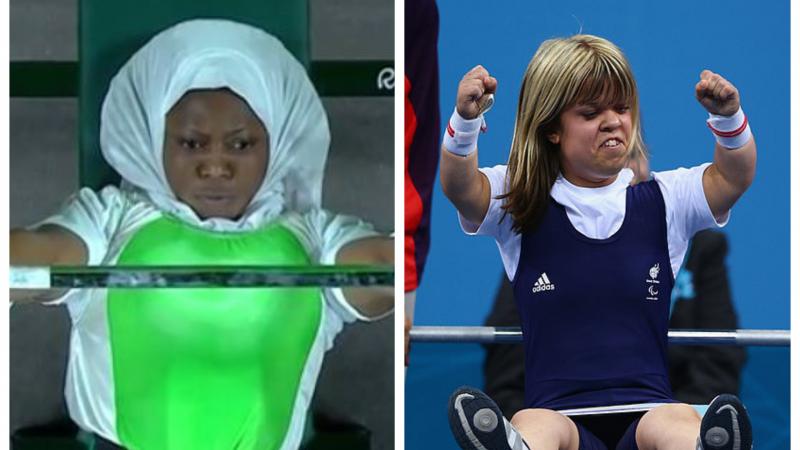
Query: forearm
x=737, y=167
x=45, y=247
x=27, y=248
x=729, y=176
x=464, y=185
x=371, y=301
x=735, y=151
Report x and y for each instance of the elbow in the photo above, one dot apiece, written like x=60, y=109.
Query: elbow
x=741, y=182
x=748, y=179
x=379, y=306
x=371, y=303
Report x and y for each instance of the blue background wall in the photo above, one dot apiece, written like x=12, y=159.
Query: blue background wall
x=668, y=45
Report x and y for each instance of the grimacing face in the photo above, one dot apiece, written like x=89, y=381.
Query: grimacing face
x=594, y=140
x=216, y=153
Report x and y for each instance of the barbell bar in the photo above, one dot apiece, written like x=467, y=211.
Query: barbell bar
x=249, y=276
x=512, y=335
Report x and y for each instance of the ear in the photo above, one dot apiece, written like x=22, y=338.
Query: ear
x=554, y=137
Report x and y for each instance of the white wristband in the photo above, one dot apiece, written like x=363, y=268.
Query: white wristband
x=461, y=135
x=731, y=132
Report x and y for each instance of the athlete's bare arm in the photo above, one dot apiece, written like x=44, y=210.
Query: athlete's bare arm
x=466, y=187
x=373, y=301
x=49, y=245
x=733, y=170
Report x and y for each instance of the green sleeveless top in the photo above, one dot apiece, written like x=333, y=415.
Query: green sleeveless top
x=209, y=368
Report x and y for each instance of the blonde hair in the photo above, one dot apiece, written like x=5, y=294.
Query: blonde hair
x=563, y=72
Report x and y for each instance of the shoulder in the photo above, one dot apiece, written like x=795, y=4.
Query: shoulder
x=87, y=206
x=97, y=215
x=109, y=199
x=324, y=231
x=314, y=219
x=108, y=196
x=681, y=176
x=682, y=189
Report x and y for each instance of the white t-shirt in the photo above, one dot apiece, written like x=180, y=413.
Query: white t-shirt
x=106, y=221
x=598, y=213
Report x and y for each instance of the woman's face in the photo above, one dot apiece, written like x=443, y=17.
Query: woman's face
x=216, y=153
x=594, y=142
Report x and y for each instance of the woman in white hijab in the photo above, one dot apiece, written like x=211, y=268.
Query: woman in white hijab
x=221, y=142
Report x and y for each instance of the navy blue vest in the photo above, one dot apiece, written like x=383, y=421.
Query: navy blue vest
x=595, y=312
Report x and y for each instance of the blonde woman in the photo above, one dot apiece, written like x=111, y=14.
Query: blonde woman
x=591, y=256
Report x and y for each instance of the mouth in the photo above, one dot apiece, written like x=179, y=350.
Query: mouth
x=612, y=144
x=213, y=198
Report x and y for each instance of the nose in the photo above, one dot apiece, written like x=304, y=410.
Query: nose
x=611, y=120
x=215, y=166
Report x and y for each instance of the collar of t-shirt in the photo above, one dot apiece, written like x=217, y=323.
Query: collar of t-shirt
x=597, y=213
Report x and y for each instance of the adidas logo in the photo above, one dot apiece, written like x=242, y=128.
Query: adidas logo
x=543, y=284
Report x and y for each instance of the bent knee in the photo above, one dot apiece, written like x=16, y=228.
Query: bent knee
x=659, y=420
x=535, y=421
x=673, y=412
x=668, y=423
x=535, y=415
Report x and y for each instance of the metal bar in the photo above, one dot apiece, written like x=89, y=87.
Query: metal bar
x=47, y=79
x=59, y=277
x=503, y=335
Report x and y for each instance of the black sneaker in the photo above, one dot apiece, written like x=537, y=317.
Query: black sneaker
x=725, y=426
x=478, y=424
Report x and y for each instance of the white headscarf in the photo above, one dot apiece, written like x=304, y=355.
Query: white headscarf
x=213, y=54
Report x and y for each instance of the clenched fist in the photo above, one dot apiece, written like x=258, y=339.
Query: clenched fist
x=473, y=92
x=717, y=95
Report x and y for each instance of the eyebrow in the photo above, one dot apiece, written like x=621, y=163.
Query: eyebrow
x=196, y=131
x=596, y=104
x=189, y=130
x=236, y=131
